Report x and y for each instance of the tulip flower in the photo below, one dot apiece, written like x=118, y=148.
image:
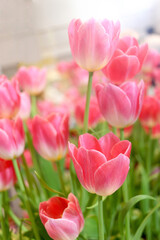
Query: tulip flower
x=50, y=136
x=32, y=79
x=121, y=105
x=93, y=42
x=62, y=218
x=150, y=114
x=94, y=112
x=7, y=175
x=25, y=106
x=9, y=98
x=126, y=61
x=12, y=138
x=101, y=165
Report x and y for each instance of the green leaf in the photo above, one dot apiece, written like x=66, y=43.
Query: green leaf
x=96, y=204
x=129, y=205
x=44, y=184
x=144, y=222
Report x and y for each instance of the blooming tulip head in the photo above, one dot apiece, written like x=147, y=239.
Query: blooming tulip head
x=62, y=218
x=126, y=61
x=7, y=175
x=50, y=136
x=150, y=114
x=101, y=165
x=12, y=138
x=93, y=42
x=32, y=79
x=121, y=105
x=9, y=98
x=25, y=106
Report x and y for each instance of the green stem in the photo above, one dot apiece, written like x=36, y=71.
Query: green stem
x=34, y=106
x=86, y=114
x=126, y=197
x=16, y=220
x=100, y=218
x=2, y=217
x=27, y=203
x=114, y=130
x=60, y=174
x=72, y=177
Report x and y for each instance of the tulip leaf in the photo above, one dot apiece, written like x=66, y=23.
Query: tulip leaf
x=144, y=222
x=96, y=204
x=44, y=184
x=129, y=205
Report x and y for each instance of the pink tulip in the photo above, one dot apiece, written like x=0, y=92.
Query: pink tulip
x=62, y=218
x=7, y=175
x=101, y=165
x=94, y=112
x=32, y=79
x=150, y=114
x=50, y=136
x=126, y=61
x=9, y=98
x=93, y=43
x=28, y=158
x=121, y=105
x=12, y=138
x=25, y=106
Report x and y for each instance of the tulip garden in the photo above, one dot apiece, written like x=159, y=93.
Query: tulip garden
x=87, y=166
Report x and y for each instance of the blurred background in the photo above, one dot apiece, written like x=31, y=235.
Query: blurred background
x=35, y=31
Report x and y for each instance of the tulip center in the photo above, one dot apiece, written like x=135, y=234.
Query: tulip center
x=56, y=207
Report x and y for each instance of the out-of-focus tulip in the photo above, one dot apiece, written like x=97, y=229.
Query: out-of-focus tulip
x=101, y=165
x=121, y=105
x=62, y=218
x=94, y=112
x=9, y=98
x=150, y=114
x=28, y=158
x=7, y=175
x=25, y=106
x=32, y=79
x=93, y=42
x=126, y=61
x=50, y=136
x=154, y=131
x=12, y=138
x=151, y=61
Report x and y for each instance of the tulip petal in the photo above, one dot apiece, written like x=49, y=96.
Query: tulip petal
x=123, y=147
x=111, y=175
x=88, y=141
x=61, y=229
x=6, y=150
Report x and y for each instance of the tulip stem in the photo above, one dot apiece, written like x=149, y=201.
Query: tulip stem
x=86, y=114
x=27, y=202
x=125, y=197
x=3, y=218
x=60, y=174
x=100, y=218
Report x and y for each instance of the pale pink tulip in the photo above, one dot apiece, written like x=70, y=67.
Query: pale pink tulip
x=25, y=106
x=126, y=61
x=50, y=136
x=12, y=138
x=101, y=165
x=62, y=218
x=9, y=98
x=121, y=105
x=93, y=42
x=32, y=79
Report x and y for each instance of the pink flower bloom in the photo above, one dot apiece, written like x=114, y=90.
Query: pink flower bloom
x=94, y=112
x=12, y=138
x=101, y=165
x=25, y=106
x=126, y=61
x=7, y=175
x=28, y=158
x=50, y=136
x=121, y=105
x=32, y=79
x=150, y=114
x=151, y=61
x=93, y=43
x=9, y=98
x=62, y=218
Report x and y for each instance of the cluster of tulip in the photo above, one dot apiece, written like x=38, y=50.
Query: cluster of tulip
x=84, y=139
